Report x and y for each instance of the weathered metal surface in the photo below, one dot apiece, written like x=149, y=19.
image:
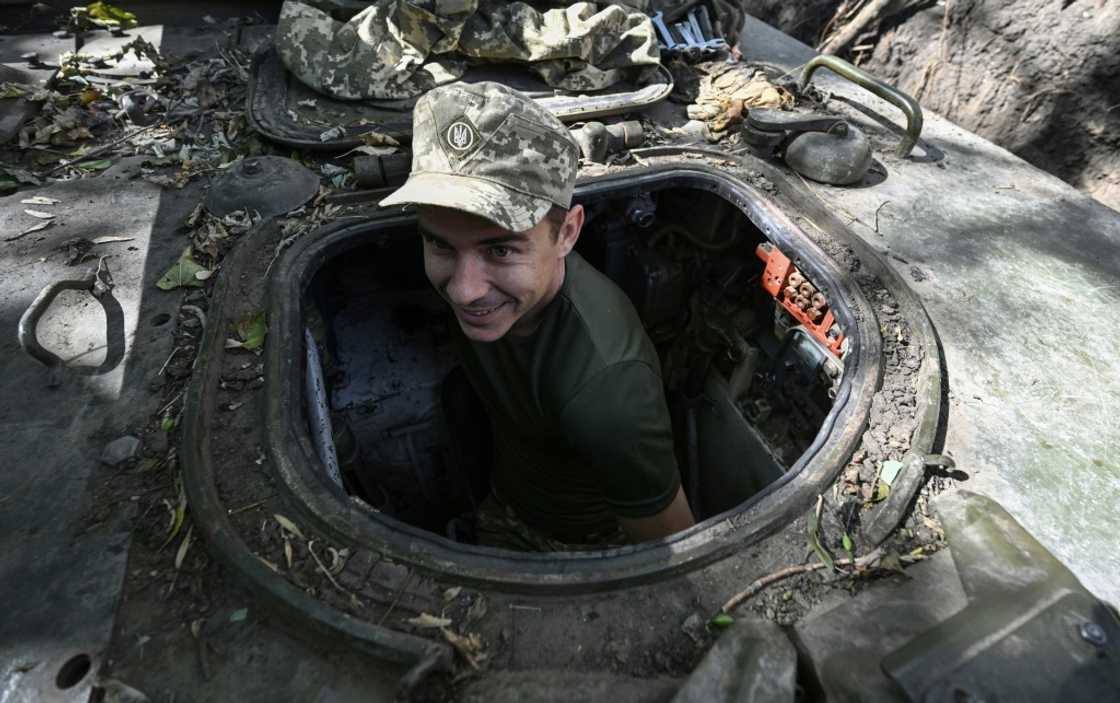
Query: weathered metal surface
x=1018, y=271
x=268, y=185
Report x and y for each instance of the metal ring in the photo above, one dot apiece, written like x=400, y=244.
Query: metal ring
x=30, y=318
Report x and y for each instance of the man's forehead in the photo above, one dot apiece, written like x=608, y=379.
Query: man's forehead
x=447, y=223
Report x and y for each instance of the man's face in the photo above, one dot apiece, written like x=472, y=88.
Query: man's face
x=495, y=280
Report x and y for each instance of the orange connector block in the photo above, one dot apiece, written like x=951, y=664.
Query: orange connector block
x=775, y=281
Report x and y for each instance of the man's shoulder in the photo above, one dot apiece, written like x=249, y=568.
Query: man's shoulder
x=598, y=314
x=595, y=333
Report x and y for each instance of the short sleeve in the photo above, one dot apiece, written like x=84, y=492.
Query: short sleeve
x=619, y=423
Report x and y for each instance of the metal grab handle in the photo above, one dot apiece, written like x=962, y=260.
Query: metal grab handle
x=97, y=281
x=865, y=80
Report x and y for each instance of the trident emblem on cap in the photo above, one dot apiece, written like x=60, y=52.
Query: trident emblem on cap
x=460, y=136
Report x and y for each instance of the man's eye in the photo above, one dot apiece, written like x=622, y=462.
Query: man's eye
x=501, y=252
x=438, y=244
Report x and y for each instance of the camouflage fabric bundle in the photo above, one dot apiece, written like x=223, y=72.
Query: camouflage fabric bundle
x=401, y=48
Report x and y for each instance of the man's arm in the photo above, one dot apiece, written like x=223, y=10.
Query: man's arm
x=620, y=422
x=676, y=517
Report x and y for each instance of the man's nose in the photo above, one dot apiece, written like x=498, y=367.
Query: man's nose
x=468, y=282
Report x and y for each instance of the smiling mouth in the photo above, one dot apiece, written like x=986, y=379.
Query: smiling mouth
x=478, y=315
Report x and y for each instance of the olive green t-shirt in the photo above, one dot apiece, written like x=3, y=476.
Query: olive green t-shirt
x=581, y=429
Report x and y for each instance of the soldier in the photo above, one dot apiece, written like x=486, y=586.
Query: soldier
x=571, y=383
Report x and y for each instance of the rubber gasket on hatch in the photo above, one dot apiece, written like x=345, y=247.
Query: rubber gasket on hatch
x=298, y=469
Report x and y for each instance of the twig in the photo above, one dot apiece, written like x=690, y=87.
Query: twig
x=785, y=573
x=885, y=203
x=400, y=594
x=243, y=508
x=105, y=147
x=1031, y=100
x=872, y=12
x=325, y=570
x=197, y=312
x=171, y=356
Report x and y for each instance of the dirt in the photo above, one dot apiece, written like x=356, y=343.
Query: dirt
x=1040, y=78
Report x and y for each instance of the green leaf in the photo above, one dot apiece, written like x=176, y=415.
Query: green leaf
x=167, y=423
x=13, y=90
x=182, y=273
x=890, y=471
x=847, y=541
x=109, y=13
x=882, y=491
x=99, y=165
x=239, y=615
x=252, y=329
x=722, y=620
x=891, y=562
x=815, y=540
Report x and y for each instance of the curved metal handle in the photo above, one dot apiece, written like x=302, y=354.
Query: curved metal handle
x=97, y=281
x=896, y=97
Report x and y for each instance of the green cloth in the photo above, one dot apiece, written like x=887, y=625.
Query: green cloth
x=581, y=430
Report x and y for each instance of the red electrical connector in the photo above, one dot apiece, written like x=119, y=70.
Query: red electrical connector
x=798, y=296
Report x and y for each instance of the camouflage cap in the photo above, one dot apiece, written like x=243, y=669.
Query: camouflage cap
x=486, y=149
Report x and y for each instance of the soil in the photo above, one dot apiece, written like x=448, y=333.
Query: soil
x=1040, y=78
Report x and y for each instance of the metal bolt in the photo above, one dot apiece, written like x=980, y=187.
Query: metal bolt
x=1093, y=633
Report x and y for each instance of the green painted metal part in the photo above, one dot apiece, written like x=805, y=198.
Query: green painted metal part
x=896, y=97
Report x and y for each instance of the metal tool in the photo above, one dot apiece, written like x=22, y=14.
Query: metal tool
x=666, y=36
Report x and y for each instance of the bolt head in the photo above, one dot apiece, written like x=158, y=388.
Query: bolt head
x=1093, y=633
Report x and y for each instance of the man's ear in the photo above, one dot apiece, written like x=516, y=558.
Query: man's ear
x=570, y=230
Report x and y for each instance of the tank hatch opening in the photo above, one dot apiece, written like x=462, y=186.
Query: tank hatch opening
x=751, y=352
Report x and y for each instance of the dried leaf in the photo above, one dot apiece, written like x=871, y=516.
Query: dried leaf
x=814, y=534
x=288, y=525
x=110, y=240
x=40, y=214
x=186, y=545
x=332, y=133
x=468, y=646
x=891, y=562
x=239, y=615
x=110, y=14
x=428, y=620
x=379, y=139
x=452, y=593
x=890, y=471
x=203, y=274
x=33, y=228
x=40, y=200
x=288, y=553
x=370, y=151
x=99, y=165
x=181, y=274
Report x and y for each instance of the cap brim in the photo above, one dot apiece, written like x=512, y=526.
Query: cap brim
x=503, y=206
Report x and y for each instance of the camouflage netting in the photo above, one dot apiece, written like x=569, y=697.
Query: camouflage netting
x=401, y=48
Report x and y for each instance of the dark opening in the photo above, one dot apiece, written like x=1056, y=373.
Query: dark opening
x=748, y=385
x=73, y=671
